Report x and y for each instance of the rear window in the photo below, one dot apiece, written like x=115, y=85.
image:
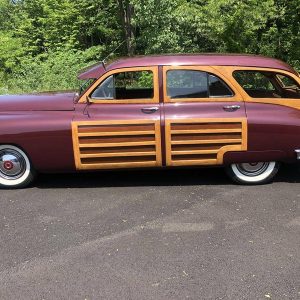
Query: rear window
x=266, y=84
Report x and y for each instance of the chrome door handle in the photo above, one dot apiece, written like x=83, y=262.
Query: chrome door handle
x=149, y=110
x=230, y=108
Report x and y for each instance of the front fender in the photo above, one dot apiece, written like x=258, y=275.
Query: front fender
x=45, y=136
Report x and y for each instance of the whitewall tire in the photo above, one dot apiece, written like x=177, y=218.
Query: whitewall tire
x=253, y=173
x=16, y=170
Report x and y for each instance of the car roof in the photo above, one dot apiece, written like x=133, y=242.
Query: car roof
x=242, y=60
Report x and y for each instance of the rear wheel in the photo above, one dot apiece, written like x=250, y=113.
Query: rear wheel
x=253, y=173
x=15, y=168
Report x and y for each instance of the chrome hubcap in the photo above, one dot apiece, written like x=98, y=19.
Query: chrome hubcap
x=12, y=164
x=252, y=169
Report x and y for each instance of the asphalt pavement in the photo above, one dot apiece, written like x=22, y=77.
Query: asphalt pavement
x=173, y=234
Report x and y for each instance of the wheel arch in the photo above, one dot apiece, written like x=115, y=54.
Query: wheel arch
x=255, y=156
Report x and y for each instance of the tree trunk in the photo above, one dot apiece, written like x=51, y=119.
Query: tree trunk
x=126, y=11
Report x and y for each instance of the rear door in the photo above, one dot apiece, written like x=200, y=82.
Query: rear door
x=204, y=116
x=272, y=99
x=117, y=124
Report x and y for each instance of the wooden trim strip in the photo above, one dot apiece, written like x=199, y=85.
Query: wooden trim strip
x=244, y=134
x=115, y=133
x=120, y=144
x=198, y=162
x=225, y=149
x=206, y=131
x=168, y=142
x=127, y=101
x=75, y=145
x=206, y=120
x=196, y=142
x=117, y=154
x=118, y=165
x=158, y=143
x=187, y=152
x=116, y=122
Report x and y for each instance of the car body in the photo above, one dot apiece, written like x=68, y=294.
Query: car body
x=238, y=111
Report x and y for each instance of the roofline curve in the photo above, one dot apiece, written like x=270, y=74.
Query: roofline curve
x=242, y=60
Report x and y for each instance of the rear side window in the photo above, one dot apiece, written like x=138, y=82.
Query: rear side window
x=266, y=84
x=287, y=82
x=195, y=84
x=126, y=86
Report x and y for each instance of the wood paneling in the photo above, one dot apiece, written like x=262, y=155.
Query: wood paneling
x=127, y=144
x=203, y=141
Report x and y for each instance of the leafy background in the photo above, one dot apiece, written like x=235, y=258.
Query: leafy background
x=44, y=43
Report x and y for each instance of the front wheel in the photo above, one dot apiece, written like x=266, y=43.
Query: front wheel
x=253, y=173
x=15, y=168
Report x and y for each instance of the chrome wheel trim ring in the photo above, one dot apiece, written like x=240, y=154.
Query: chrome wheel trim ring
x=252, y=169
x=26, y=168
x=12, y=164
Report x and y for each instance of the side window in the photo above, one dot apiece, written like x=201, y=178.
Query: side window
x=266, y=84
x=126, y=86
x=287, y=82
x=105, y=90
x=195, y=84
x=187, y=84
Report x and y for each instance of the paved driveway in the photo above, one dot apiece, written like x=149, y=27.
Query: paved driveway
x=181, y=234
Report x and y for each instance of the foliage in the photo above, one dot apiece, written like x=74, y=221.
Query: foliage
x=53, y=71
x=44, y=43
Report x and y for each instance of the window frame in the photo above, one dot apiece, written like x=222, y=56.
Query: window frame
x=290, y=102
x=275, y=81
x=208, y=69
x=86, y=97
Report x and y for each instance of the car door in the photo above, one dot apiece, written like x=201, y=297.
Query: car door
x=272, y=99
x=117, y=124
x=204, y=116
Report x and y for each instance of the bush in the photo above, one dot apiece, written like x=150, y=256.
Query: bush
x=48, y=72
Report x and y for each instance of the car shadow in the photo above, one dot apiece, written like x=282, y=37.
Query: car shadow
x=165, y=177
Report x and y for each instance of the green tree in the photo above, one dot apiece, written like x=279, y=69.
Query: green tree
x=43, y=42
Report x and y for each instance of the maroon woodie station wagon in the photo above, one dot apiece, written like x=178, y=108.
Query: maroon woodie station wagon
x=237, y=111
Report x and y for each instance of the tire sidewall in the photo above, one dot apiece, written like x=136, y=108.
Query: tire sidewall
x=263, y=178
x=25, y=179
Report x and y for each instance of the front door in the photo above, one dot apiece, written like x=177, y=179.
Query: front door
x=118, y=124
x=204, y=116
